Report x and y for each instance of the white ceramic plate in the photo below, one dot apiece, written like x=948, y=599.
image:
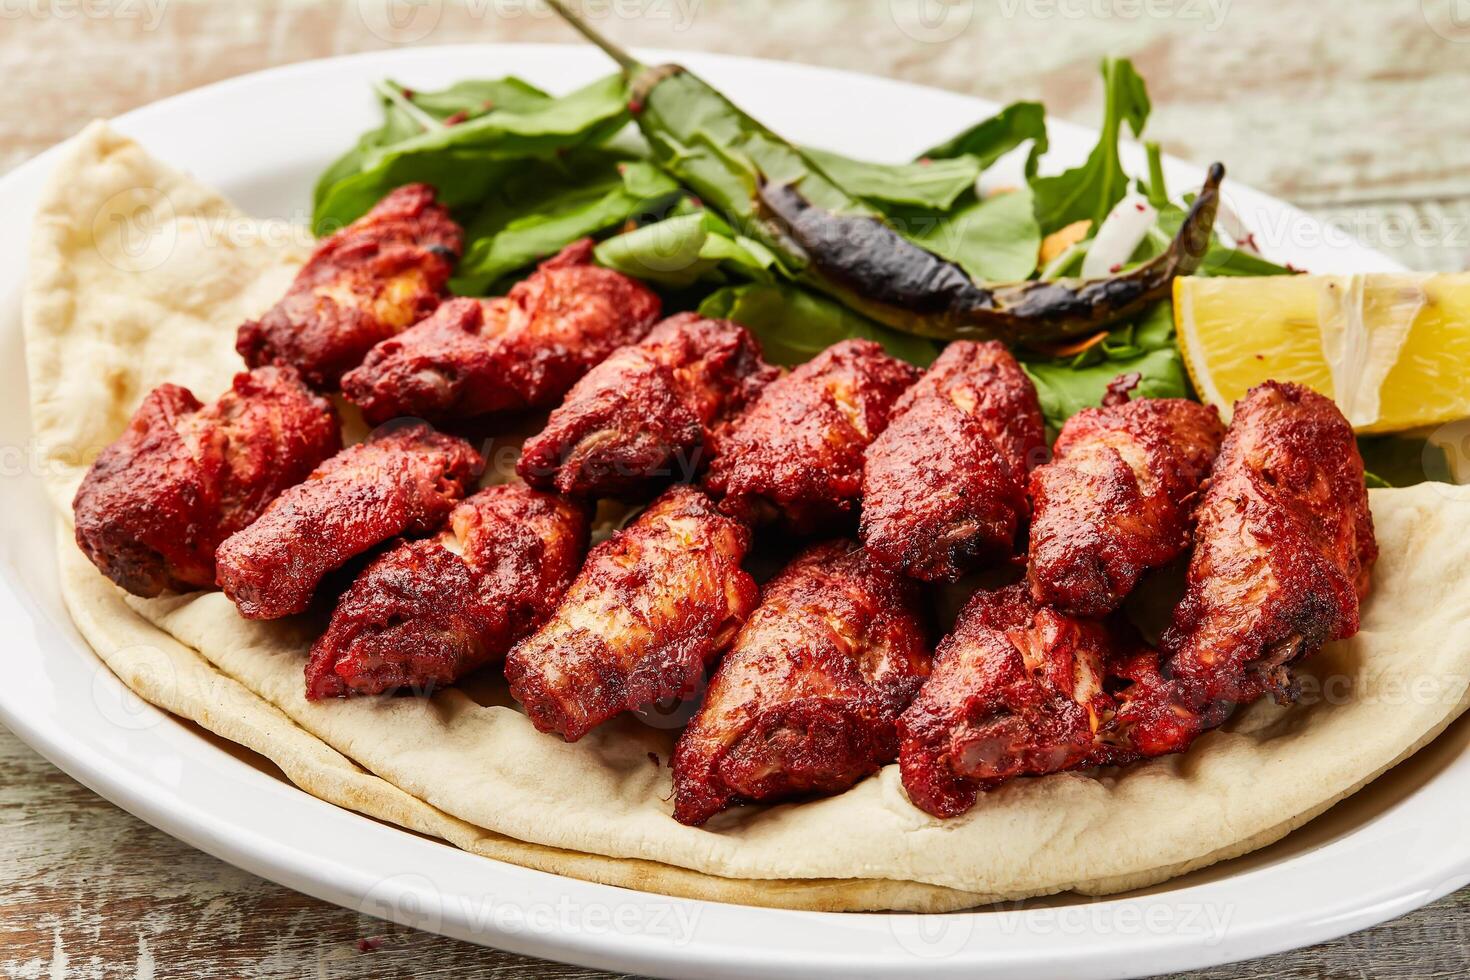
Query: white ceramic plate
x=262, y=139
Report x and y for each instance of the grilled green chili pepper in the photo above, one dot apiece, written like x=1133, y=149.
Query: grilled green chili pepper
x=828, y=239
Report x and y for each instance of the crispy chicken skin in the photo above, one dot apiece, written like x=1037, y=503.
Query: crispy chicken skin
x=403, y=481
x=654, y=605
x=796, y=455
x=944, y=486
x=429, y=612
x=520, y=351
x=807, y=699
x=379, y=275
x=645, y=415
x=1017, y=689
x=1117, y=499
x=1283, y=550
x=182, y=477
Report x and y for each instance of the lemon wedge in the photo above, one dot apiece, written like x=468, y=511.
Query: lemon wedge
x=1392, y=349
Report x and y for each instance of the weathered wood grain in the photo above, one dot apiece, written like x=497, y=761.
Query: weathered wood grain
x=1354, y=110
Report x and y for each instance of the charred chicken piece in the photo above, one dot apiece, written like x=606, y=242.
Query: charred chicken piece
x=1283, y=552
x=403, y=481
x=1017, y=689
x=654, y=605
x=379, y=275
x=1117, y=499
x=646, y=413
x=944, y=486
x=428, y=612
x=796, y=455
x=807, y=699
x=157, y=502
x=522, y=351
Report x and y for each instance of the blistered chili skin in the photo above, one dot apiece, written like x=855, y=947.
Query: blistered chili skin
x=1017, y=689
x=807, y=699
x=428, y=612
x=521, y=351
x=645, y=415
x=944, y=486
x=401, y=481
x=1284, y=549
x=183, y=477
x=796, y=455
x=374, y=278
x=1117, y=499
x=652, y=608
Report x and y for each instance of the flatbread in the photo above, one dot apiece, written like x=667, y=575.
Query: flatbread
x=466, y=766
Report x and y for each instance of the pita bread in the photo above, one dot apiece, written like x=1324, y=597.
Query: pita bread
x=466, y=766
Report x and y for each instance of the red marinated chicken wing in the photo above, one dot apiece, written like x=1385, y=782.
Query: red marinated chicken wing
x=157, y=502
x=652, y=608
x=1117, y=499
x=645, y=414
x=400, y=481
x=379, y=275
x=1283, y=550
x=796, y=455
x=944, y=486
x=806, y=700
x=1018, y=689
x=522, y=351
x=429, y=612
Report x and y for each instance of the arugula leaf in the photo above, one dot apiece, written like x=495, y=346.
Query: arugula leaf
x=1091, y=190
x=1146, y=346
x=990, y=139
x=404, y=113
x=793, y=325
x=993, y=238
x=544, y=205
x=464, y=161
x=926, y=184
x=478, y=96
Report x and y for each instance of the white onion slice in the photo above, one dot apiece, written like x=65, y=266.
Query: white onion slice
x=1229, y=222
x=1124, y=229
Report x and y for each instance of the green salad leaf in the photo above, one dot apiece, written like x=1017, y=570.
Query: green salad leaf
x=794, y=324
x=1091, y=190
x=1145, y=347
x=464, y=160
x=992, y=138
x=684, y=249
x=924, y=183
x=993, y=238
x=543, y=205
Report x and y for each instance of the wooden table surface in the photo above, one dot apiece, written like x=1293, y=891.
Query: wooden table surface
x=1354, y=110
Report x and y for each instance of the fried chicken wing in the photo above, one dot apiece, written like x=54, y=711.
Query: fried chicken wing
x=1017, y=689
x=646, y=413
x=157, y=502
x=807, y=698
x=379, y=275
x=654, y=605
x=1283, y=552
x=1117, y=499
x=518, y=352
x=403, y=481
x=430, y=611
x=944, y=486
x=796, y=455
